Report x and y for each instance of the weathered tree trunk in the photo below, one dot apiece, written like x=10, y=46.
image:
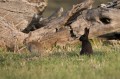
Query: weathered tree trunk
x=63, y=28
x=15, y=15
x=20, y=12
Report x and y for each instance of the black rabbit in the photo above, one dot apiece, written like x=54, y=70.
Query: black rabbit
x=86, y=45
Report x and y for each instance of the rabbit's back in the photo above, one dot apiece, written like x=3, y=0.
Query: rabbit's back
x=86, y=48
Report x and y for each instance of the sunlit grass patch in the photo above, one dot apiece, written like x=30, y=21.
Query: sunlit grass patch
x=63, y=64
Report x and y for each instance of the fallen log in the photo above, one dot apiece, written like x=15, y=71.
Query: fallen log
x=20, y=12
x=42, y=34
x=15, y=15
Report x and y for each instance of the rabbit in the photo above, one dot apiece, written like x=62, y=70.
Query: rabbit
x=86, y=45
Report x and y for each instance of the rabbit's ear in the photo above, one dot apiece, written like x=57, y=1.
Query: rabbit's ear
x=86, y=31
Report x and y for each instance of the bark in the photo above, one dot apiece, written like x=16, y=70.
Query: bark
x=15, y=15
x=20, y=12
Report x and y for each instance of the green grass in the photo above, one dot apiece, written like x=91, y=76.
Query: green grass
x=103, y=64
